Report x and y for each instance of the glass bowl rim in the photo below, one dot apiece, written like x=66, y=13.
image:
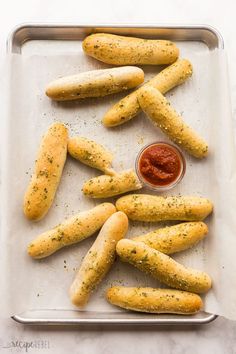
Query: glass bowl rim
x=172, y=184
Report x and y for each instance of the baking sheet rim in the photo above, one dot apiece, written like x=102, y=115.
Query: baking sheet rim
x=21, y=318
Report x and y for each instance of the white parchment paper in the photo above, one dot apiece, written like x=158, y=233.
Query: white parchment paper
x=203, y=101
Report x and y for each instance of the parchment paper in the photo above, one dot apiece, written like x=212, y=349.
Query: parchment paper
x=203, y=101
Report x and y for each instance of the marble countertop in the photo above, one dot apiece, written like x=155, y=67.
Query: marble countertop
x=219, y=336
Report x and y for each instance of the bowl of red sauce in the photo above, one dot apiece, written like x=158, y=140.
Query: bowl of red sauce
x=160, y=166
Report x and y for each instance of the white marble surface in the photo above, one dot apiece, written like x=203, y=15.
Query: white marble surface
x=218, y=337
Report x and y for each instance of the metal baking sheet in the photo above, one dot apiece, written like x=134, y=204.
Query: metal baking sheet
x=42, y=39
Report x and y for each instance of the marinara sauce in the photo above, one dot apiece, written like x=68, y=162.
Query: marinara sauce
x=161, y=165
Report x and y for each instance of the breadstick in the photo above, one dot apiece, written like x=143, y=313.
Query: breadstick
x=154, y=300
x=159, y=110
x=121, y=50
x=73, y=230
x=95, y=83
x=47, y=173
x=175, y=238
x=162, y=267
x=145, y=207
x=108, y=186
x=91, y=154
x=99, y=258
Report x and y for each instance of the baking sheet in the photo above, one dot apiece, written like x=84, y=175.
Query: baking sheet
x=204, y=103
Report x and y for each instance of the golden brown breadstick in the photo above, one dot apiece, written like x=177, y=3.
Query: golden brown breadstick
x=128, y=107
x=108, y=186
x=154, y=300
x=121, y=50
x=72, y=230
x=175, y=238
x=99, y=258
x=162, y=267
x=47, y=173
x=95, y=83
x=159, y=110
x=145, y=207
x=91, y=153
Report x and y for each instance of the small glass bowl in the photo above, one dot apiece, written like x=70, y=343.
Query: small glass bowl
x=160, y=188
